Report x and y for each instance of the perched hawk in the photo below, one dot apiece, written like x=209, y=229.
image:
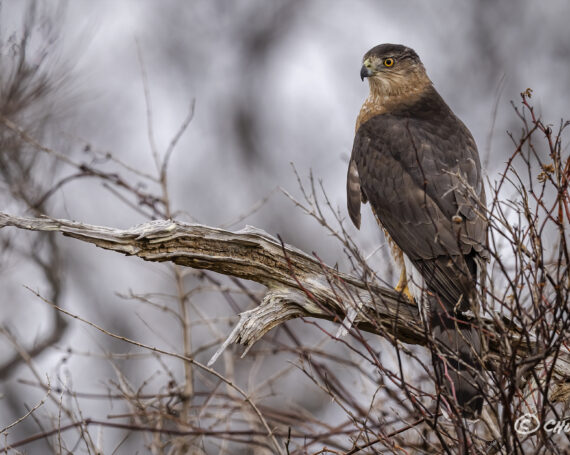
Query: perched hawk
x=418, y=166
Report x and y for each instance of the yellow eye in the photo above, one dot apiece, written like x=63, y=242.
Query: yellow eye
x=388, y=62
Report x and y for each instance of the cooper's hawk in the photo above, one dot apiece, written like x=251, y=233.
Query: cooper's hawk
x=417, y=164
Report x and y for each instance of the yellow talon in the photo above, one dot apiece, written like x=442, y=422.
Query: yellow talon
x=408, y=294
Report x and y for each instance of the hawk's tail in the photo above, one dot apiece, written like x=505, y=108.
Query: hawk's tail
x=456, y=360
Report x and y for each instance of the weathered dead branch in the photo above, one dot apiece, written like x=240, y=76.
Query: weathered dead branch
x=298, y=284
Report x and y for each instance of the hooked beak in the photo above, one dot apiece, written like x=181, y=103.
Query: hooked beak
x=367, y=69
x=365, y=72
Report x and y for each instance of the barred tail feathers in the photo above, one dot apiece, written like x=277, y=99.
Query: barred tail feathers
x=456, y=361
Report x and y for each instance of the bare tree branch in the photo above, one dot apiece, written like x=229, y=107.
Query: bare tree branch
x=298, y=284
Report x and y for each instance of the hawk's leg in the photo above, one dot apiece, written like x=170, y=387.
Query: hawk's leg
x=398, y=255
x=402, y=285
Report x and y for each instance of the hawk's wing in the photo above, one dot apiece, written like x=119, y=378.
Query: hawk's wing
x=354, y=193
x=420, y=170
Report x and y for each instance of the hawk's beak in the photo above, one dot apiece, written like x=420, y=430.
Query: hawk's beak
x=367, y=69
x=365, y=72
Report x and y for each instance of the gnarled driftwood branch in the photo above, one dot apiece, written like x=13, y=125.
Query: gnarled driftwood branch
x=297, y=284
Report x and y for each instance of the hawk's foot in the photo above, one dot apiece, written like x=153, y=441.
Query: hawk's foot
x=406, y=292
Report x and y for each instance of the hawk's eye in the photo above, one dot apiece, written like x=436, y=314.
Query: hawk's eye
x=388, y=62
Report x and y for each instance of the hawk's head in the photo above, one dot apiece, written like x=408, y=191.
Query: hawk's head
x=393, y=69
